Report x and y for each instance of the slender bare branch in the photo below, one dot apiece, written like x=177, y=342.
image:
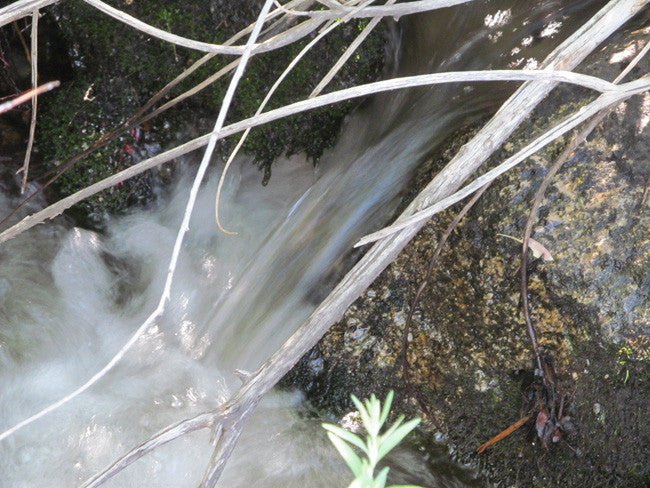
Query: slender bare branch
x=354, y=45
x=414, y=303
x=272, y=115
x=605, y=100
x=576, y=141
x=14, y=102
x=316, y=18
x=262, y=105
x=199, y=422
x=18, y=10
x=32, y=125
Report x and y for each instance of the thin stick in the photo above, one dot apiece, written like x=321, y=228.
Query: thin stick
x=261, y=107
x=425, y=282
x=174, y=431
x=504, y=433
x=50, y=85
x=18, y=10
x=577, y=140
x=32, y=125
x=316, y=18
x=22, y=41
x=346, y=55
x=631, y=88
x=177, y=245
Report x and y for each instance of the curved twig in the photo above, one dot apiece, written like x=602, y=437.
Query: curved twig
x=262, y=105
x=425, y=282
x=578, y=139
x=316, y=18
x=627, y=90
x=212, y=140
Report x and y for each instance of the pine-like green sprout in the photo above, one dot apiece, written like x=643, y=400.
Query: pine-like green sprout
x=376, y=445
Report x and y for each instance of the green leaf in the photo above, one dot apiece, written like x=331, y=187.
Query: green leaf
x=349, y=456
x=380, y=479
x=386, y=410
x=374, y=408
x=388, y=443
x=346, y=436
x=393, y=427
x=365, y=417
x=404, y=486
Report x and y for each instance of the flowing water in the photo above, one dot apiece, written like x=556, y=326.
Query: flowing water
x=70, y=298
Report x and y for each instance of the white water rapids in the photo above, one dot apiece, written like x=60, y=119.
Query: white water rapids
x=70, y=298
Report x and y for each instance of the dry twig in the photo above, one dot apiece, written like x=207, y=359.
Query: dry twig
x=216, y=133
x=425, y=282
x=14, y=102
x=262, y=105
x=32, y=125
x=578, y=139
x=297, y=107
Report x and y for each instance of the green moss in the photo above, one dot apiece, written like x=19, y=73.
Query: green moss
x=118, y=69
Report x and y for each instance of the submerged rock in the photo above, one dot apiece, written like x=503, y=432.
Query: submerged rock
x=468, y=349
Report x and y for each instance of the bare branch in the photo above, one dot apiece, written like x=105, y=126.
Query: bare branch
x=294, y=108
x=354, y=45
x=6, y=106
x=199, y=422
x=268, y=96
x=604, y=101
x=32, y=125
x=577, y=140
x=18, y=10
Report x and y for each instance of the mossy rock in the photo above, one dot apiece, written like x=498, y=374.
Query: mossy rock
x=116, y=69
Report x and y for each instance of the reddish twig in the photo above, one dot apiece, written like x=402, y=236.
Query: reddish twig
x=423, y=285
x=504, y=433
x=576, y=141
x=27, y=95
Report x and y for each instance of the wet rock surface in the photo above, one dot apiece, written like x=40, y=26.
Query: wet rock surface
x=468, y=350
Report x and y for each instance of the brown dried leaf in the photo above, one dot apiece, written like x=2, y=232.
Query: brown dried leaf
x=536, y=247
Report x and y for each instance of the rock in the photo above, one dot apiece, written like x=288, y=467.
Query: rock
x=468, y=347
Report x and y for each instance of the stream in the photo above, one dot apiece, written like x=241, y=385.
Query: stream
x=70, y=298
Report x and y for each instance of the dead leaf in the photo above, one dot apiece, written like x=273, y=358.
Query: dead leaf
x=537, y=248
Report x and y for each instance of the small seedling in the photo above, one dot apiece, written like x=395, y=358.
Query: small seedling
x=376, y=445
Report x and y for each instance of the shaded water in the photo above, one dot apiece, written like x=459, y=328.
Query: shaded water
x=70, y=298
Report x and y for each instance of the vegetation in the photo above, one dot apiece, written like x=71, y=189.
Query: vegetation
x=376, y=444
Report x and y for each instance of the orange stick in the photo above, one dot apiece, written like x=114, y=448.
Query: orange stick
x=27, y=95
x=504, y=433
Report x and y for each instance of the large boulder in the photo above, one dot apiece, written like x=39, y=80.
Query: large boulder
x=469, y=360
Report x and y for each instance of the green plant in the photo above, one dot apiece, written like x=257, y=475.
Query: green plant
x=376, y=445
